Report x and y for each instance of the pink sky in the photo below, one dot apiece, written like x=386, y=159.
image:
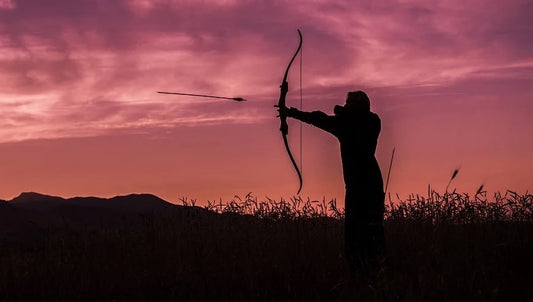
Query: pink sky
x=80, y=116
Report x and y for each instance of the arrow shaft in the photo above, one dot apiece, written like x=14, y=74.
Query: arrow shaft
x=197, y=95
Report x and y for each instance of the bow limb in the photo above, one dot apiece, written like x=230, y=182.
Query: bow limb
x=284, y=127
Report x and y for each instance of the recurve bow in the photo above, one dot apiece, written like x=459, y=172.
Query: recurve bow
x=284, y=127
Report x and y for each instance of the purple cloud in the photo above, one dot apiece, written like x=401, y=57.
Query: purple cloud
x=113, y=55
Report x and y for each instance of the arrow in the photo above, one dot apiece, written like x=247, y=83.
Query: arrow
x=204, y=96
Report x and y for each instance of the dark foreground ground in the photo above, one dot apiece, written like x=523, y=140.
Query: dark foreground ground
x=191, y=254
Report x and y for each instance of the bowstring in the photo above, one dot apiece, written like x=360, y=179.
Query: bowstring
x=301, y=108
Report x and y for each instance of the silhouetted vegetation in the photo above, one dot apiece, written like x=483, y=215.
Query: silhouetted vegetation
x=442, y=247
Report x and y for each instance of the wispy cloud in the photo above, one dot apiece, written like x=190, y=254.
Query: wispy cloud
x=93, y=65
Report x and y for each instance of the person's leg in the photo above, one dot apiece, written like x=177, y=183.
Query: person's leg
x=375, y=234
x=349, y=230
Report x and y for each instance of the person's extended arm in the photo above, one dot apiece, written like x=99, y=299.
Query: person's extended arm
x=316, y=118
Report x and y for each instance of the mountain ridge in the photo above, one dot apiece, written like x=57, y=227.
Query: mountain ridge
x=136, y=202
x=32, y=213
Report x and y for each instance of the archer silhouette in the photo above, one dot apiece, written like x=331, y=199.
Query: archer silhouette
x=357, y=129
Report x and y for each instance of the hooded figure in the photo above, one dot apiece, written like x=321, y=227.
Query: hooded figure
x=357, y=129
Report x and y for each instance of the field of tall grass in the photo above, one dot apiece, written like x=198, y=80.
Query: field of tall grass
x=441, y=247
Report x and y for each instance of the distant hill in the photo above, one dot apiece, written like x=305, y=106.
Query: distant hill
x=133, y=203
x=30, y=213
x=21, y=224
x=11, y=215
x=36, y=201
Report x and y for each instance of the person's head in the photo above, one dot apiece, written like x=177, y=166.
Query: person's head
x=357, y=100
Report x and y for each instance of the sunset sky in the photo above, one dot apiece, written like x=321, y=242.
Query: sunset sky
x=451, y=81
